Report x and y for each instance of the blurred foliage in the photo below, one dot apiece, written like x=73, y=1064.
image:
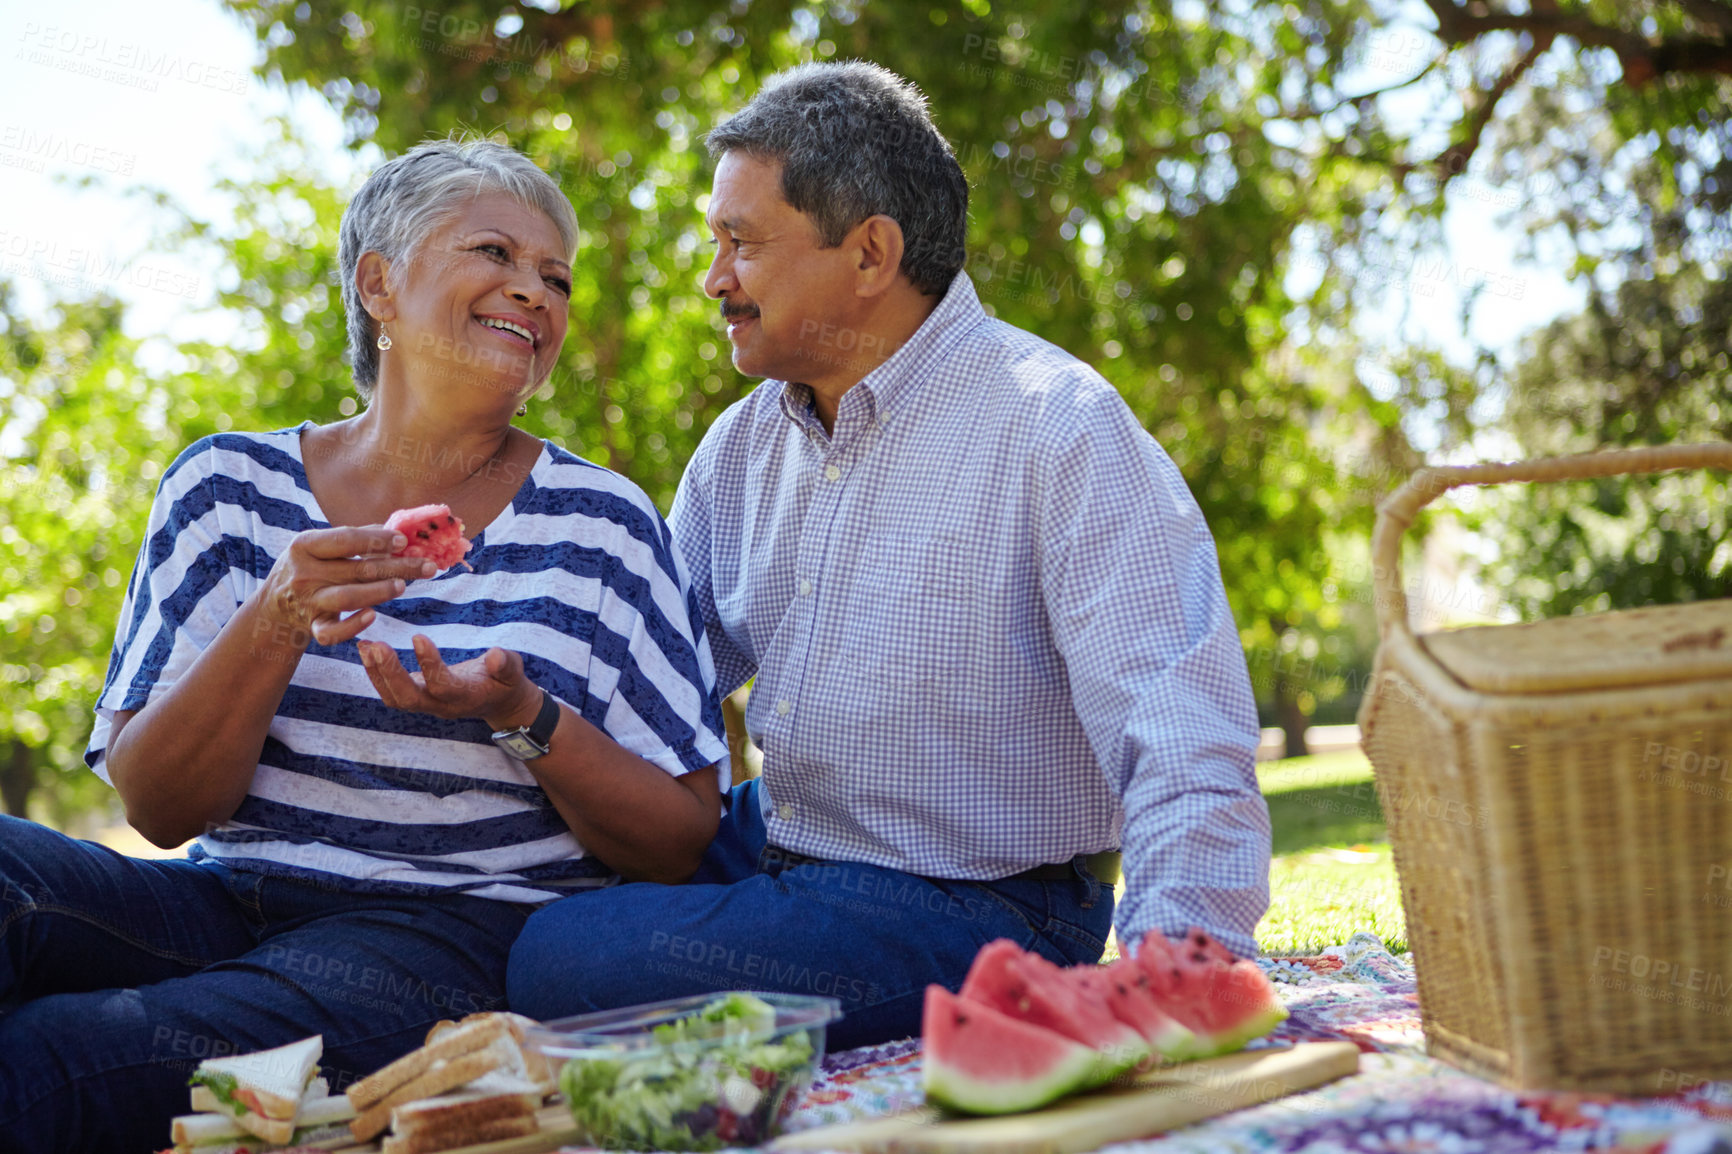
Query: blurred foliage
x=1640, y=191
x=71, y=516
x=1197, y=199
x=87, y=429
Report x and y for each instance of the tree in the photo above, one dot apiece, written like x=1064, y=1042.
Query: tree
x=1198, y=199
x=87, y=431
x=1130, y=203
x=1629, y=140
x=1644, y=363
x=80, y=443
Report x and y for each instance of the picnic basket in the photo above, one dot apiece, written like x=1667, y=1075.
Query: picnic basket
x=1559, y=802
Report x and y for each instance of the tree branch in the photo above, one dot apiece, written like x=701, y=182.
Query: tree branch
x=1642, y=59
x=1361, y=98
x=1453, y=160
x=1715, y=18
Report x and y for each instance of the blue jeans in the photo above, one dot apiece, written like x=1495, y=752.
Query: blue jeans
x=755, y=918
x=119, y=975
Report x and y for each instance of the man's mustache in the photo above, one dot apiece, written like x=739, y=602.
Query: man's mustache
x=732, y=312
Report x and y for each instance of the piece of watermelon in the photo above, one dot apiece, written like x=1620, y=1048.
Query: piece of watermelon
x=980, y=1061
x=434, y=532
x=1125, y=990
x=1200, y=942
x=1029, y=988
x=1224, y=1003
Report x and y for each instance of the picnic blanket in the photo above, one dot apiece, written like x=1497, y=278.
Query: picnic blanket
x=1401, y=1102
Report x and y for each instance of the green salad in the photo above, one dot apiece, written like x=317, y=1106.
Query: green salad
x=715, y=1079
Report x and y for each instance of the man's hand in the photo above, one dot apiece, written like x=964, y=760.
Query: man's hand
x=492, y=687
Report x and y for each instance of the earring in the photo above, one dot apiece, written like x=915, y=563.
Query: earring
x=523, y=409
x=384, y=341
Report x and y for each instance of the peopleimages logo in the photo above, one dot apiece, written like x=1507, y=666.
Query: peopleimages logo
x=711, y=960
x=37, y=149
x=81, y=268
x=121, y=62
x=1662, y=979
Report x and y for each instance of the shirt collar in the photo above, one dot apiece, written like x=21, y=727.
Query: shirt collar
x=892, y=382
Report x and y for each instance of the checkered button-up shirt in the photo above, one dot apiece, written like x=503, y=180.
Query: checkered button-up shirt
x=987, y=626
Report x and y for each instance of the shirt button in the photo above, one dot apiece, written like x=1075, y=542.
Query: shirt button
x=832, y=473
x=782, y=708
x=785, y=812
x=805, y=587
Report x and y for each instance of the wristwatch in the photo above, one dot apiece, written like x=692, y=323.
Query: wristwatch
x=528, y=742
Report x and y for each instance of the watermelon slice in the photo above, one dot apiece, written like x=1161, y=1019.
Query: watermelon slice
x=434, y=532
x=1200, y=942
x=980, y=1061
x=1024, y=1031
x=1225, y=1003
x=1125, y=990
x=1029, y=988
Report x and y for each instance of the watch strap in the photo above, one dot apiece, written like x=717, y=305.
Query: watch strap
x=546, y=721
x=527, y=742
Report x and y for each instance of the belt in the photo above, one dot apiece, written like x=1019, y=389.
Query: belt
x=1104, y=866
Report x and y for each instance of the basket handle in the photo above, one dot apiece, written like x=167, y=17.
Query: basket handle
x=1396, y=511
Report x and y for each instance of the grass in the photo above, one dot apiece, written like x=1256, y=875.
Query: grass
x=1332, y=873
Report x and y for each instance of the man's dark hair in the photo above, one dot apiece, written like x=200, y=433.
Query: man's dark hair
x=854, y=140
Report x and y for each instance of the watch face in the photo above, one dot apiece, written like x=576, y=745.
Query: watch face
x=518, y=745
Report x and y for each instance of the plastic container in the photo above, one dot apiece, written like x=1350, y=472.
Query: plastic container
x=662, y=1076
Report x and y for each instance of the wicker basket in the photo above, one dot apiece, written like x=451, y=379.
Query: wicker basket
x=1559, y=799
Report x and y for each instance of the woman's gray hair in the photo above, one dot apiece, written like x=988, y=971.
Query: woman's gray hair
x=406, y=198
x=855, y=140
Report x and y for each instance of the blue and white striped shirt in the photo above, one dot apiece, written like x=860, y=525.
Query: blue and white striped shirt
x=987, y=624
x=578, y=575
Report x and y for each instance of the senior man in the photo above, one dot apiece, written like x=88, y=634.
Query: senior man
x=984, y=614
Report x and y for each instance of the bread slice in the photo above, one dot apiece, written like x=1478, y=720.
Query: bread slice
x=535, y=1062
x=428, y=1141
x=314, y=1115
x=372, y=1089
x=464, y=1107
x=260, y=1091
x=506, y=1081
x=437, y=1077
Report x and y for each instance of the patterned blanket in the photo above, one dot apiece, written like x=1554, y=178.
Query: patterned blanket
x=1401, y=1102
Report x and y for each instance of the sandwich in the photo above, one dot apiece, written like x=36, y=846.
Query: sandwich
x=464, y=1118
x=484, y=1045
x=321, y=1123
x=260, y=1093
x=534, y=1061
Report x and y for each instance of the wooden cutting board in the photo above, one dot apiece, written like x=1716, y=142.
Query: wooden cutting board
x=1159, y=1101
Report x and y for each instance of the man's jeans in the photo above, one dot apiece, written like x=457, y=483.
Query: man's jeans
x=118, y=975
x=755, y=918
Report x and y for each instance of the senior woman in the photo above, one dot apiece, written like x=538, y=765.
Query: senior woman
x=369, y=839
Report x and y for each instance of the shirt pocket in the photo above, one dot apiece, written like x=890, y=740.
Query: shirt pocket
x=914, y=610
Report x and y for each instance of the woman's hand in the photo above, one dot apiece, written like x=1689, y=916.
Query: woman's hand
x=492, y=687
x=325, y=573
x=625, y=810
x=186, y=760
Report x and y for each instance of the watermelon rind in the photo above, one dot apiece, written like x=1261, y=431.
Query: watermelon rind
x=1231, y=1040
x=970, y=1051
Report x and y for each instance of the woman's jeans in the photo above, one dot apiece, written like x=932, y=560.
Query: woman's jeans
x=119, y=975
x=757, y=918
